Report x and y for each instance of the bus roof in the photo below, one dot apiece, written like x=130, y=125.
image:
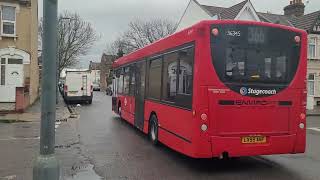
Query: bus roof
x=184, y=36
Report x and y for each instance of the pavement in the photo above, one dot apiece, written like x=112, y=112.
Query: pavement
x=33, y=113
x=19, y=141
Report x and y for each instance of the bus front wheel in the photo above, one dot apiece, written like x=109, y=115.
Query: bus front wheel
x=153, y=132
x=119, y=111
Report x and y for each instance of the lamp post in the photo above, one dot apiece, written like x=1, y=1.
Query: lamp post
x=46, y=166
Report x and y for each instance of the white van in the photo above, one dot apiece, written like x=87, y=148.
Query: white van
x=78, y=86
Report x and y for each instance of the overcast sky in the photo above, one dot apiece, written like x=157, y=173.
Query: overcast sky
x=110, y=17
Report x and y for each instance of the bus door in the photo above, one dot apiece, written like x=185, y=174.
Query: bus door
x=139, y=94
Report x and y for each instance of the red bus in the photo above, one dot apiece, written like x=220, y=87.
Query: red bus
x=218, y=89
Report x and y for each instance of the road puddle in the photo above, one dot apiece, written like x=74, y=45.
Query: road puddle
x=85, y=173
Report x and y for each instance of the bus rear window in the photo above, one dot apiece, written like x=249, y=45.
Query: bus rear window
x=254, y=54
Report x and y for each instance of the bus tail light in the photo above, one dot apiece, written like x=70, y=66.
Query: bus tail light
x=297, y=39
x=65, y=88
x=215, y=32
x=204, y=127
x=204, y=116
x=302, y=116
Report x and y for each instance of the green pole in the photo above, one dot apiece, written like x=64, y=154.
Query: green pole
x=46, y=166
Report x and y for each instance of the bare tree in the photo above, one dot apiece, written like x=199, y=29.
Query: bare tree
x=75, y=38
x=141, y=33
x=117, y=47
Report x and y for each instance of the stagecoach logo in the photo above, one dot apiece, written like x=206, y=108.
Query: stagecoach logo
x=249, y=91
x=243, y=91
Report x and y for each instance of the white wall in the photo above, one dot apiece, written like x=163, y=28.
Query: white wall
x=193, y=14
x=247, y=15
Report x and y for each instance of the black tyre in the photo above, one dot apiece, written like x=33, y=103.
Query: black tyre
x=153, y=130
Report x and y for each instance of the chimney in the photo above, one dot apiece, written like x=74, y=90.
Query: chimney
x=296, y=8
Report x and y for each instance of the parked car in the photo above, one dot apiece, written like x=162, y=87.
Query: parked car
x=96, y=86
x=78, y=87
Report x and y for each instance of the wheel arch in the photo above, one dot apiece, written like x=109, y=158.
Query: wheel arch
x=152, y=113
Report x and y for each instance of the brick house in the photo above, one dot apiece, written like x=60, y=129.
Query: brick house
x=19, y=75
x=293, y=16
x=106, y=70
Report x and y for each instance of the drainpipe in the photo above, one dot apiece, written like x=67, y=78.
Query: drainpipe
x=46, y=166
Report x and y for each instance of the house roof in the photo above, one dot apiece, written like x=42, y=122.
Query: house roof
x=274, y=18
x=214, y=10
x=225, y=13
x=305, y=22
x=233, y=11
x=108, y=59
x=94, y=65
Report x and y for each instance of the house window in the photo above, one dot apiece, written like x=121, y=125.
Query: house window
x=311, y=79
x=312, y=47
x=8, y=20
x=14, y=61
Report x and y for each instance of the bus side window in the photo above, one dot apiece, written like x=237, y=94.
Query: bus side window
x=126, y=80
x=185, y=77
x=132, y=80
x=169, y=84
x=154, y=81
x=120, y=80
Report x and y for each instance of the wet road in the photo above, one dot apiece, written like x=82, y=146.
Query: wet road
x=119, y=151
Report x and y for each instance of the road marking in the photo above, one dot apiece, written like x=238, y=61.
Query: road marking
x=14, y=138
x=56, y=125
x=12, y=177
x=314, y=129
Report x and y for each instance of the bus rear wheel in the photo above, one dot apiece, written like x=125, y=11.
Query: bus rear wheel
x=153, y=131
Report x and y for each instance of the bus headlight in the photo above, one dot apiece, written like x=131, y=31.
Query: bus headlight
x=204, y=127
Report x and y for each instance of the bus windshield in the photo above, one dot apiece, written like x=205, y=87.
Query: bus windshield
x=254, y=54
